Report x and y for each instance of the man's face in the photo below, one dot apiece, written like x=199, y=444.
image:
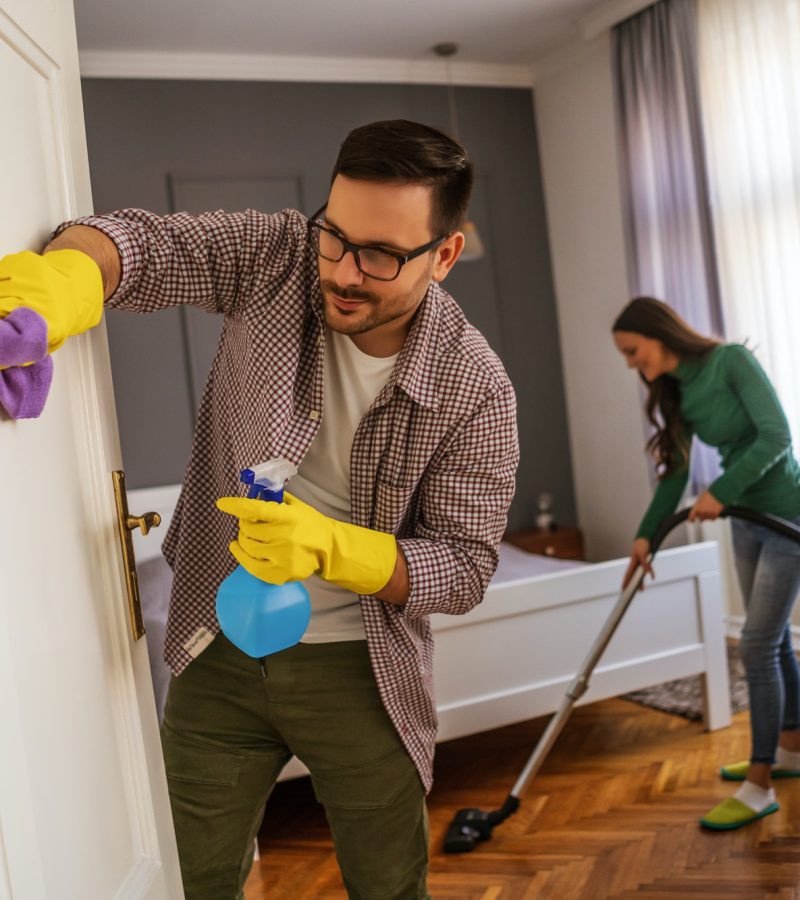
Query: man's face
x=394, y=217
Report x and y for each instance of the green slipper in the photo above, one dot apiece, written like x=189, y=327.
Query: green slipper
x=738, y=772
x=732, y=813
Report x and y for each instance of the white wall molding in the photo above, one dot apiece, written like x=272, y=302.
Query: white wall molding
x=592, y=28
x=610, y=14
x=734, y=625
x=250, y=67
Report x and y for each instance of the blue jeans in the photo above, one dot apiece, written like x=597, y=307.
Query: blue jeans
x=768, y=566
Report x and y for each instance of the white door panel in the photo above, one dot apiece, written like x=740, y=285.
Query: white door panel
x=28, y=158
x=38, y=20
x=84, y=813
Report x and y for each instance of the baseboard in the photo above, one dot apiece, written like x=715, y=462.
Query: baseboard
x=734, y=625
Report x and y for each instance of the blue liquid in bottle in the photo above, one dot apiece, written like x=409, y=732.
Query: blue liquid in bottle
x=258, y=617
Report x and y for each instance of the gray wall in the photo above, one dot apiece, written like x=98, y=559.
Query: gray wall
x=167, y=145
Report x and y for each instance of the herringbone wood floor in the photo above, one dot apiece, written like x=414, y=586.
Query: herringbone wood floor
x=612, y=814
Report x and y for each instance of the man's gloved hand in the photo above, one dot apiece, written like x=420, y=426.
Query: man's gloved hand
x=64, y=286
x=280, y=542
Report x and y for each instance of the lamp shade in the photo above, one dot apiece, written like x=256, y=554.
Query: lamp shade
x=473, y=245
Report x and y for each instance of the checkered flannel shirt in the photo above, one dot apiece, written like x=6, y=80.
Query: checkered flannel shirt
x=433, y=460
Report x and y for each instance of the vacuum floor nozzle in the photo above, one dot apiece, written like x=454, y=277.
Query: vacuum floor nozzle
x=471, y=826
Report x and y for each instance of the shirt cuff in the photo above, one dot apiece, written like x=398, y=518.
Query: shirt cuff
x=422, y=581
x=130, y=254
x=723, y=491
x=438, y=581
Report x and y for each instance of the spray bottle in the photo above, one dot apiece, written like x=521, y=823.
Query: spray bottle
x=258, y=617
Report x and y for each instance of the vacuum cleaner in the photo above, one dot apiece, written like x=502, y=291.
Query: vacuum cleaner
x=472, y=826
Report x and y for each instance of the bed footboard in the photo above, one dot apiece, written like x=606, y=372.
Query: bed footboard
x=514, y=656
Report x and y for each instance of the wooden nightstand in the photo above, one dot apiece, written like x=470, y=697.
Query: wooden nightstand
x=563, y=543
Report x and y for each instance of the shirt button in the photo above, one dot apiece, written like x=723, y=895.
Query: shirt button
x=314, y=414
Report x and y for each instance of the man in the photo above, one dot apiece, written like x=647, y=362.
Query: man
x=340, y=352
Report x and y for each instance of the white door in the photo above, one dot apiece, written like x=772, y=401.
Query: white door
x=84, y=813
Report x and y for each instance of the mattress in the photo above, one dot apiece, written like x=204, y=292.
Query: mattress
x=515, y=564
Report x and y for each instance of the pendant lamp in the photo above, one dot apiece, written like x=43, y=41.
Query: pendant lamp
x=473, y=245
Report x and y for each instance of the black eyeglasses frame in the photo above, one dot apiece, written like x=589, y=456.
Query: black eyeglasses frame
x=350, y=247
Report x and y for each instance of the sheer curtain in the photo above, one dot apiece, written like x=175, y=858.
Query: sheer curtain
x=749, y=53
x=669, y=239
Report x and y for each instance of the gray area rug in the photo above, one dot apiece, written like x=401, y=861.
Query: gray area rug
x=684, y=697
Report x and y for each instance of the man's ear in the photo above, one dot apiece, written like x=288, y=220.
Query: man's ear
x=446, y=255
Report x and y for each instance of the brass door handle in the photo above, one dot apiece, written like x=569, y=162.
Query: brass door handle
x=126, y=524
x=145, y=523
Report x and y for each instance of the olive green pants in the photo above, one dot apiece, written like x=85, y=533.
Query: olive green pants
x=229, y=728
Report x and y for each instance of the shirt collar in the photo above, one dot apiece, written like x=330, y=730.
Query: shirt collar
x=415, y=365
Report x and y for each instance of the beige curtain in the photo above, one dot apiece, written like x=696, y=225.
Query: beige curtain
x=749, y=54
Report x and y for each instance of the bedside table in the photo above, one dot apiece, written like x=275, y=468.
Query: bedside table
x=563, y=543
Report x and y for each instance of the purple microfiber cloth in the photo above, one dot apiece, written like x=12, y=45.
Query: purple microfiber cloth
x=23, y=339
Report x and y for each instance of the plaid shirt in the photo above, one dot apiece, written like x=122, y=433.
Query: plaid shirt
x=433, y=460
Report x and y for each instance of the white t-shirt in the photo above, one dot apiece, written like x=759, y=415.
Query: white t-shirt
x=352, y=381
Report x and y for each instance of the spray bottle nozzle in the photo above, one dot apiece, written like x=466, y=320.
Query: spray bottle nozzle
x=267, y=479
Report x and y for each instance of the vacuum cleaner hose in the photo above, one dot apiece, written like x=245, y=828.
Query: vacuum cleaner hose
x=774, y=523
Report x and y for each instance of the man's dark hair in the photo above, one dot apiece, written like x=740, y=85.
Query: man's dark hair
x=409, y=152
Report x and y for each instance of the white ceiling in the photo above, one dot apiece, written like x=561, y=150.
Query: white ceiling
x=498, y=32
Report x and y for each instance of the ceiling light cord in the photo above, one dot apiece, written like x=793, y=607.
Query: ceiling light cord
x=451, y=104
x=447, y=50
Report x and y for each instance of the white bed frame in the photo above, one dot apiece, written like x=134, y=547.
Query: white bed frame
x=513, y=656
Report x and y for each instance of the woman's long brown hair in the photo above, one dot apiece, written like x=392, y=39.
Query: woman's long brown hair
x=653, y=319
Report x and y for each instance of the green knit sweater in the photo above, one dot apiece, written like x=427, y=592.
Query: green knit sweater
x=728, y=402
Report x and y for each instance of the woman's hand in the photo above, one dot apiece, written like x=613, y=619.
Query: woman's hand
x=706, y=508
x=639, y=554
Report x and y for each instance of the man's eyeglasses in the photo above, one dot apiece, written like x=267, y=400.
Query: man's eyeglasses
x=375, y=262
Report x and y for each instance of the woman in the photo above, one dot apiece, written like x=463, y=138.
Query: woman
x=698, y=385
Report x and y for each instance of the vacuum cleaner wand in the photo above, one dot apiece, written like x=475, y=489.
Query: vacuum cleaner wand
x=471, y=826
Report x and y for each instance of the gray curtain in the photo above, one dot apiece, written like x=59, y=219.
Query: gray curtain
x=669, y=236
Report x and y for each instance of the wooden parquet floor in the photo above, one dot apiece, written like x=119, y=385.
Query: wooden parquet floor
x=612, y=814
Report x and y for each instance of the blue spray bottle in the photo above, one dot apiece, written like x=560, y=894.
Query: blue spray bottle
x=258, y=617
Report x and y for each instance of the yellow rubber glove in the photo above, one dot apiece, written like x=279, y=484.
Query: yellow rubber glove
x=64, y=286
x=280, y=542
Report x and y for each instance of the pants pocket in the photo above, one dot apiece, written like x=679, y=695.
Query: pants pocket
x=200, y=763
x=215, y=816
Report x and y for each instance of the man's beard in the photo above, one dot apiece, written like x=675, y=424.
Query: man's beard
x=376, y=311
